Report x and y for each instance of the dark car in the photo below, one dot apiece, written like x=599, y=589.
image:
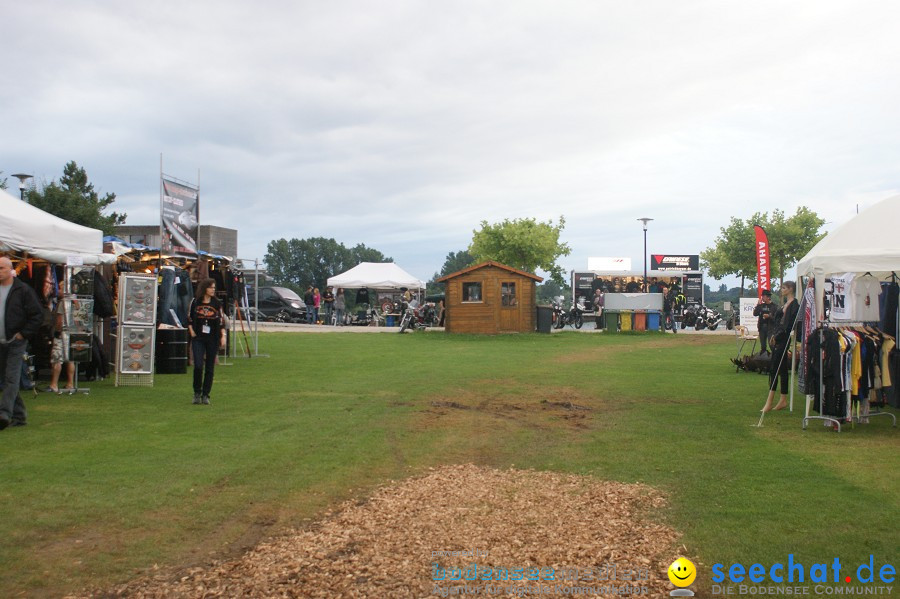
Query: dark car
x=275, y=301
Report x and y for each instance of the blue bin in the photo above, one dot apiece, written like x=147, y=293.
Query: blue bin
x=653, y=321
x=389, y=321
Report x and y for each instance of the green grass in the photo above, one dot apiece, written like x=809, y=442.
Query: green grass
x=98, y=488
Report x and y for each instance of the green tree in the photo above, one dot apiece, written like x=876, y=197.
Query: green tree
x=296, y=263
x=790, y=238
x=454, y=262
x=522, y=243
x=74, y=199
x=2, y=181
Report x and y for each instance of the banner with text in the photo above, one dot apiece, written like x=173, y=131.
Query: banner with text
x=762, y=260
x=675, y=262
x=180, y=218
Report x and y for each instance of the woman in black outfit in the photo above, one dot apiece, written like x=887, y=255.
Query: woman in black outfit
x=207, y=330
x=780, y=366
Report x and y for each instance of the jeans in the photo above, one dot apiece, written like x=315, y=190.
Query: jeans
x=12, y=408
x=340, y=316
x=204, y=350
x=329, y=310
x=669, y=317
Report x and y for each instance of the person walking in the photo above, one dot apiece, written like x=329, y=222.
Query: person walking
x=206, y=327
x=668, y=308
x=21, y=316
x=780, y=364
x=340, y=304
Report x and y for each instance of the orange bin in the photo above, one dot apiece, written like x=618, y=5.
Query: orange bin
x=640, y=320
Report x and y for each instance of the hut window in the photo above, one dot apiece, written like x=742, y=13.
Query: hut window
x=471, y=292
x=508, y=294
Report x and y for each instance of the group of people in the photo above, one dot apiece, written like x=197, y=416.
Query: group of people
x=333, y=303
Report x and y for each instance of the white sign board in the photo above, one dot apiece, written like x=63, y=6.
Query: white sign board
x=604, y=263
x=747, y=319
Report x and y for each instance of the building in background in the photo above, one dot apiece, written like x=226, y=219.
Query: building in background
x=220, y=241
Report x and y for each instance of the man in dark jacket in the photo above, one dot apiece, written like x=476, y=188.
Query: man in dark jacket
x=765, y=310
x=20, y=318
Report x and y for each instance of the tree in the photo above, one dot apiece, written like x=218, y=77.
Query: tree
x=454, y=262
x=75, y=200
x=790, y=238
x=297, y=263
x=2, y=181
x=522, y=243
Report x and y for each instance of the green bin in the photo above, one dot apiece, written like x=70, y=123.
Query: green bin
x=612, y=321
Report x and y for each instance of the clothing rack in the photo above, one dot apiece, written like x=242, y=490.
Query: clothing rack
x=811, y=398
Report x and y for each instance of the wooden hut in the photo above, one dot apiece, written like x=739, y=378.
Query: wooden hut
x=490, y=298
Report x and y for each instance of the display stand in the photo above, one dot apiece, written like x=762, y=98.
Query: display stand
x=136, y=334
x=78, y=322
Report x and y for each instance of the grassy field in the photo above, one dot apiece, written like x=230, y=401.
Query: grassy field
x=99, y=488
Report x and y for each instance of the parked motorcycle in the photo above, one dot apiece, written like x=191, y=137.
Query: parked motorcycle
x=574, y=316
x=417, y=317
x=689, y=317
x=707, y=318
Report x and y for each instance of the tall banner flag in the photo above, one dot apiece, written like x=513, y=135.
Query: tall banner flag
x=762, y=260
x=179, y=218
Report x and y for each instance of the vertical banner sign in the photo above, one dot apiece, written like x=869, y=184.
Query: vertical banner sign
x=180, y=213
x=762, y=260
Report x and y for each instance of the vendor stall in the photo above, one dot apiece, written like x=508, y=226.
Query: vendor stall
x=378, y=284
x=853, y=272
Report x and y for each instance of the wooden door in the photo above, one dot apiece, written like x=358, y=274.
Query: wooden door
x=510, y=314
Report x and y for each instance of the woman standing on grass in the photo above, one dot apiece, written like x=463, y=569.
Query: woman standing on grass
x=207, y=330
x=780, y=366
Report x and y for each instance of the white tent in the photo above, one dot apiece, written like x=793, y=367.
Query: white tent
x=24, y=228
x=868, y=242
x=376, y=275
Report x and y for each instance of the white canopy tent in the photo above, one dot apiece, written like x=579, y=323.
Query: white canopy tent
x=25, y=228
x=376, y=275
x=868, y=242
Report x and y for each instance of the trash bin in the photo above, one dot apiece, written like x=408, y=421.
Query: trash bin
x=652, y=321
x=544, y=319
x=640, y=320
x=612, y=321
x=625, y=321
x=389, y=321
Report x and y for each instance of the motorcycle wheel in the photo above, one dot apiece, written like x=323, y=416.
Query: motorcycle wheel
x=698, y=326
x=729, y=325
x=714, y=327
x=579, y=321
x=404, y=323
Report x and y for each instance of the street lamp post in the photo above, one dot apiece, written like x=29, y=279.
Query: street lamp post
x=22, y=178
x=645, y=220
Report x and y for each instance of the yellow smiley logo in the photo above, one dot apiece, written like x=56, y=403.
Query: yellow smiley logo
x=682, y=572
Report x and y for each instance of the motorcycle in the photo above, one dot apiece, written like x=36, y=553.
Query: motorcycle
x=418, y=317
x=707, y=318
x=574, y=316
x=689, y=317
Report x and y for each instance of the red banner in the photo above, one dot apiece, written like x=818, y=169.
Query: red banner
x=762, y=260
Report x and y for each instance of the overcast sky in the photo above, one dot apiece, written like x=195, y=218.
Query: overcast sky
x=404, y=124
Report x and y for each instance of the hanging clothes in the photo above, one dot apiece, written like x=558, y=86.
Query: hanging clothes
x=865, y=290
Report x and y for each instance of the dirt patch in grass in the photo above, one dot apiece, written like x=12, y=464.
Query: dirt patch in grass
x=423, y=536
x=508, y=400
